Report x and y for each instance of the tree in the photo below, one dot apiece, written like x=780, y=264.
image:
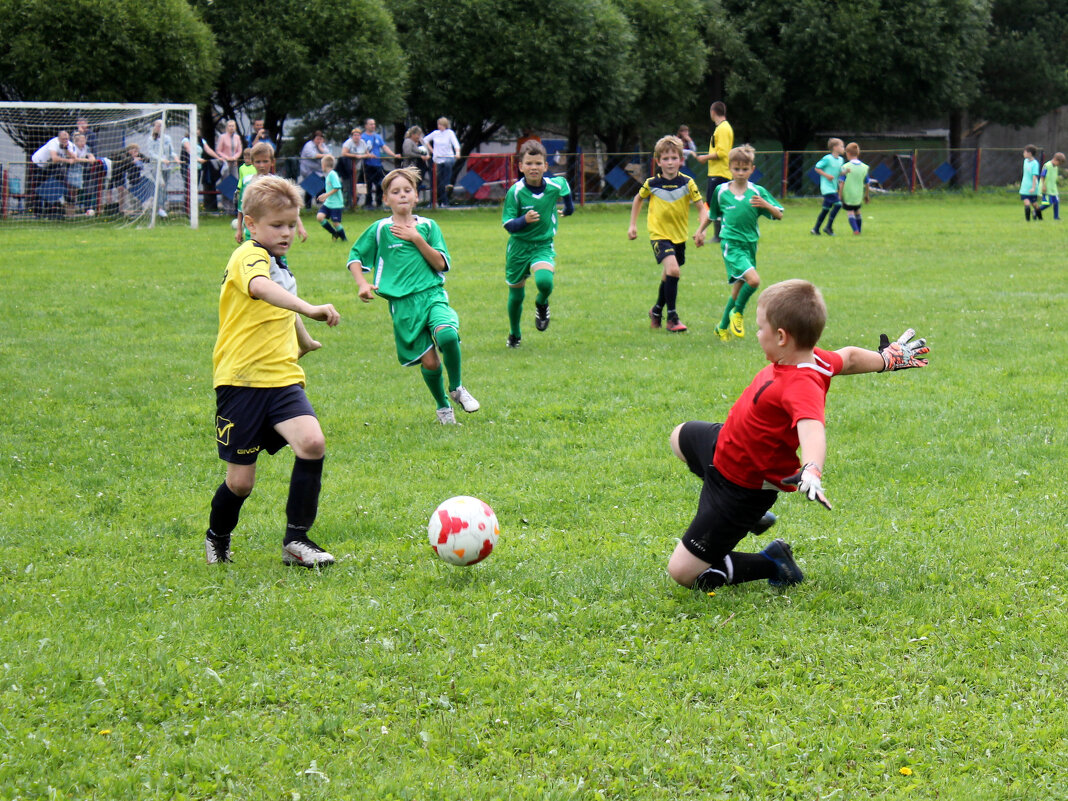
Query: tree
x=115, y=51
x=331, y=61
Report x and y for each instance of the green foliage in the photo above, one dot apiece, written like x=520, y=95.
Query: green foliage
x=332, y=61
x=929, y=635
x=104, y=51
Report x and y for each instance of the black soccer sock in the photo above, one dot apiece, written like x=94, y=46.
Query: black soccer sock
x=821, y=218
x=751, y=567
x=660, y=296
x=837, y=207
x=326, y=224
x=671, y=294
x=303, y=503
x=715, y=576
x=225, y=509
x=1027, y=213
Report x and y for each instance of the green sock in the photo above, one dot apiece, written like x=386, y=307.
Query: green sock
x=725, y=322
x=515, y=307
x=448, y=339
x=544, y=280
x=436, y=385
x=744, y=294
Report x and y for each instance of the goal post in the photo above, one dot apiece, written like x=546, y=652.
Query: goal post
x=99, y=163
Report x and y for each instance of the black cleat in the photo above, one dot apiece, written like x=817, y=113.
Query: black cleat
x=782, y=555
x=766, y=522
x=541, y=316
x=514, y=341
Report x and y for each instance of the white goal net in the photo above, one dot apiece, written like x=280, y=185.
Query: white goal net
x=98, y=163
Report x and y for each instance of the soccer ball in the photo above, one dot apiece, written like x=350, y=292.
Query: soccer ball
x=421, y=150
x=463, y=530
x=233, y=223
x=90, y=212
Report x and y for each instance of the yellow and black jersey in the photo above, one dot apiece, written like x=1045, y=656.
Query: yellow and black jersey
x=669, y=206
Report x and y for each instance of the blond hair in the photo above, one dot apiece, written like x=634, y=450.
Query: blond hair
x=409, y=174
x=328, y=162
x=743, y=154
x=797, y=307
x=666, y=143
x=271, y=193
x=834, y=140
x=262, y=149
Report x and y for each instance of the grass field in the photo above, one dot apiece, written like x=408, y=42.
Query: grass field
x=924, y=657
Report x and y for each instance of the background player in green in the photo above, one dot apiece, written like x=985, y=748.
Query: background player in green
x=1029, y=183
x=1048, y=185
x=333, y=202
x=670, y=193
x=740, y=204
x=529, y=216
x=828, y=169
x=854, y=186
x=407, y=258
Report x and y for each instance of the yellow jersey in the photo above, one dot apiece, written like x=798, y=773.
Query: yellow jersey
x=721, y=144
x=669, y=206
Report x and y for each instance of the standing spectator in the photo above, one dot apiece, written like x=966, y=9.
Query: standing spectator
x=311, y=161
x=207, y=161
x=259, y=134
x=90, y=134
x=688, y=146
x=445, y=148
x=353, y=152
x=159, y=147
x=372, y=165
x=415, y=154
x=228, y=146
x=719, y=171
x=80, y=171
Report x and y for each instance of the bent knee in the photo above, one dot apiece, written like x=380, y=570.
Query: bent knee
x=674, y=440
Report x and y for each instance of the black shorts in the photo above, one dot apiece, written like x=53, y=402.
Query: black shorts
x=662, y=248
x=849, y=207
x=725, y=512
x=245, y=418
x=713, y=182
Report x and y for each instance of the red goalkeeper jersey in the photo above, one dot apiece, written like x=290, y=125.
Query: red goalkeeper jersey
x=757, y=447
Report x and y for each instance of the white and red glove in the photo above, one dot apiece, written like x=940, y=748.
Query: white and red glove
x=901, y=354
x=808, y=483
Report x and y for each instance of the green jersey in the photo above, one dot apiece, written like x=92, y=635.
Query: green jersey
x=1029, y=182
x=1050, y=173
x=522, y=198
x=832, y=165
x=336, y=200
x=398, y=268
x=854, y=178
x=739, y=215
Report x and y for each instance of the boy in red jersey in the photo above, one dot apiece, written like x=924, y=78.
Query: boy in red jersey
x=747, y=460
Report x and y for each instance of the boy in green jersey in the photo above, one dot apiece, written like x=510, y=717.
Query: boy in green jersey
x=332, y=202
x=1048, y=185
x=407, y=257
x=670, y=194
x=529, y=216
x=741, y=204
x=828, y=169
x=1029, y=189
x=854, y=186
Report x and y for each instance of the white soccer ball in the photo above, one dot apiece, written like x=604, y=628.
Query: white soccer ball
x=90, y=212
x=421, y=150
x=463, y=530
x=233, y=223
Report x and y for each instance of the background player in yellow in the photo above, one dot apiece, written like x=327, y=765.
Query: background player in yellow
x=716, y=159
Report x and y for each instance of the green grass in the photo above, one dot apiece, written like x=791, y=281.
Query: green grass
x=930, y=633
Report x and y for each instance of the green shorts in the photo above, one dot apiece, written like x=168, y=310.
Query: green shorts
x=738, y=258
x=416, y=317
x=521, y=256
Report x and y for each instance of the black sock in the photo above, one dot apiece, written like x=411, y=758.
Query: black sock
x=225, y=509
x=326, y=224
x=1027, y=213
x=820, y=219
x=671, y=294
x=660, y=296
x=751, y=567
x=303, y=503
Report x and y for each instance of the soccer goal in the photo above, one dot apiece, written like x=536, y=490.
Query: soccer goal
x=98, y=163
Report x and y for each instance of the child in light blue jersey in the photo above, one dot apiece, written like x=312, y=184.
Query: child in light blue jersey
x=1029, y=183
x=333, y=202
x=828, y=168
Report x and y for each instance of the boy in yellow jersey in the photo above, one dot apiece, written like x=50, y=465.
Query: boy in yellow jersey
x=719, y=171
x=670, y=194
x=259, y=387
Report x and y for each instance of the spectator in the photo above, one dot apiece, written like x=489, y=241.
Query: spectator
x=228, y=146
x=208, y=166
x=353, y=152
x=80, y=171
x=259, y=134
x=90, y=134
x=52, y=158
x=126, y=173
x=311, y=160
x=445, y=148
x=415, y=154
x=159, y=147
x=372, y=166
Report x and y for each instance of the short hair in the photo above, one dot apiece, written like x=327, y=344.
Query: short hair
x=719, y=108
x=796, y=306
x=532, y=147
x=834, y=140
x=262, y=149
x=415, y=130
x=743, y=154
x=443, y=120
x=1058, y=157
x=409, y=174
x=853, y=149
x=1032, y=149
x=317, y=134
x=666, y=143
x=328, y=162
x=271, y=193
x=356, y=129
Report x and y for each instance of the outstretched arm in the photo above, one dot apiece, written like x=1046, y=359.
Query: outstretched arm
x=900, y=354
x=263, y=288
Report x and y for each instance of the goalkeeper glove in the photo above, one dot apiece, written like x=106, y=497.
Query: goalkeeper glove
x=808, y=483
x=901, y=354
